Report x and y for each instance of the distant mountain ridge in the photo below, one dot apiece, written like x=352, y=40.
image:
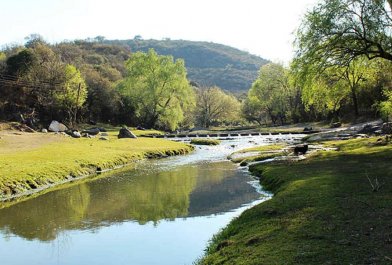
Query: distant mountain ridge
x=208, y=63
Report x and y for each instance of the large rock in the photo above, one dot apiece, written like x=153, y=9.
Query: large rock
x=336, y=125
x=369, y=129
x=73, y=133
x=76, y=134
x=386, y=128
x=126, y=133
x=56, y=126
x=92, y=131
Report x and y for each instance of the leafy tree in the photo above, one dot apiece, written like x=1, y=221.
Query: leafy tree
x=385, y=107
x=20, y=63
x=329, y=89
x=270, y=92
x=252, y=112
x=214, y=105
x=335, y=32
x=103, y=101
x=73, y=93
x=158, y=89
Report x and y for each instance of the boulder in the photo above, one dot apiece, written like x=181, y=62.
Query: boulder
x=336, y=125
x=386, y=128
x=308, y=129
x=126, y=133
x=56, y=126
x=92, y=131
x=366, y=129
x=44, y=131
x=73, y=133
x=103, y=138
x=76, y=134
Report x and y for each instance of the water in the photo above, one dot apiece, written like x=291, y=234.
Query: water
x=161, y=212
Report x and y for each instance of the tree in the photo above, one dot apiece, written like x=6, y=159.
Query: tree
x=73, y=93
x=158, y=89
x=327, y=90
x=214, y=105
x=270, y=92
x=335, y=32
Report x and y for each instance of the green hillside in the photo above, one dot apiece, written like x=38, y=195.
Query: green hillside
x=207, y=63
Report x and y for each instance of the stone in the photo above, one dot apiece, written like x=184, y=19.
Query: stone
x=126, y=133
x=308, y=129
x=369, y=129
x=44, y=130
x=56, y=126
x=92, y=131
x=104, y=134
x=336, y=125
x=386, y=128
x=76, y=134
x=361, y=135
x=103, y=138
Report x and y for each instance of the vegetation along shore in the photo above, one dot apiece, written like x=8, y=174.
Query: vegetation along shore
x=33, y=161
x=332, y=208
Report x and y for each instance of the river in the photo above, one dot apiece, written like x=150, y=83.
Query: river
x=158, y=212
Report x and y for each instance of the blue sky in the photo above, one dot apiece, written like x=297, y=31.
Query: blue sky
x=261, y=27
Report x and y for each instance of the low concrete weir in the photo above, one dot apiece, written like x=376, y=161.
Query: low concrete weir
x=234, y=134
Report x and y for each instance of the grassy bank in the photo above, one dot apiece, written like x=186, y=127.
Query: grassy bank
x=32, y=161
x=324, y=212
x=205, y=141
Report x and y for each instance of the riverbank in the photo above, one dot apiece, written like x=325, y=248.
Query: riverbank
x=31, y=162
x=327, y=209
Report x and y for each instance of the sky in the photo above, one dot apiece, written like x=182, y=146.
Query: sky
x=261, y=27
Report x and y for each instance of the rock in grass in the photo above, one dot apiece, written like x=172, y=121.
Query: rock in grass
x=76, y=134
x=56, y=126
x=103, y=138
x=92, y=131
x=126, y=133
x=386, y=128
x=205, y=141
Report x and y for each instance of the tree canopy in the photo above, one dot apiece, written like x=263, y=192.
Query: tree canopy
x=335, y=32
x=216, y=106
x=158, y=88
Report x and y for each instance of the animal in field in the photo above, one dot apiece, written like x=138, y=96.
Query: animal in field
x=300, y=149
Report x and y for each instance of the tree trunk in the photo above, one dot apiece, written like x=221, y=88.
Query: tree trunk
x=355, y=101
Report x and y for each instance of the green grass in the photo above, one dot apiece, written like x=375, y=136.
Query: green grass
x=205, y=141
x=324, y=212
x=263, y=148
x=24, y=170
x=266, y=152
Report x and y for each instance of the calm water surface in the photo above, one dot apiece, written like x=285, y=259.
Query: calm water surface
x=161, y=212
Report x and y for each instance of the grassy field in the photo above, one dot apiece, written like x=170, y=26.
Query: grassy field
x=34, y=160
x=325, y=211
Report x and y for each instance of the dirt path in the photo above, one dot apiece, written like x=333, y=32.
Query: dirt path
x=15, y=141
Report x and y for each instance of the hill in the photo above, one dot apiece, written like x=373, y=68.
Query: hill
x=208, y=63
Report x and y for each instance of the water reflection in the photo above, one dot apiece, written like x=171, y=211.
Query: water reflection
x=141, y=196
x=162, y=212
